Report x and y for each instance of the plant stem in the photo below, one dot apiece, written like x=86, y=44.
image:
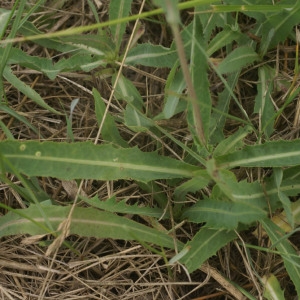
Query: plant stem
x=174, y=24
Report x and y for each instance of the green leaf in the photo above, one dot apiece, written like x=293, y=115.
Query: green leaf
x=28, y=29
x=112, y=205
x=223, y=215
x=77, y=62
x=109, y=131
x=286, y=204
x=87, y=59
x=290, y=257
x=233, y=142
x=88, y=222
x=292, y=173
x=43, y=65
x=156, y=191
x=278, y=175
x=118, y=9
x=272, y=289
x=263, y=101
x=270, y=154
x=136, y=120
x=6, y=131
x=151, y=56
x=97, y=44
x=22, y=119
x=193, y=185
x=238, y=59
x=223, y=38
x=125, y=90
x=204, y=245
x=133, y=117
x=31, y=186
x=225, y=179
x=16, y=15
x=255, y=193
x=220, y=113
x=200, y=181
x=251, y=194
x=296, y=211
x=282, y=221
x=173, y=91
x=284, y=199
x=281, y=24
x=5, y=16
x=199, y=67
x=88, y=161
x=69, y=120
x=26, y=90
x=170, y=9
x=243, y=191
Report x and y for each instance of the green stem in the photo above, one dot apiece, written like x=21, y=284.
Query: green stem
x=173, y=19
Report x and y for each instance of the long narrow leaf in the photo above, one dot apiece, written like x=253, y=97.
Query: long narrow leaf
x=118, y=9
x=112, y=205
x=22, y=119
x=263, y=100
x=280, y=24
x=29, y=29
x=110, y=132
x=224, y=215
x=88, y=161
x=173, y=90
x=88, y=222
x=5, y=16
x=270, y=154
x=125, y=90
x=238, y=59
x=223, y=38
x=273, y=290
x=204, y=245
x=26, y=90
x=80, y=60
x=289, y=255
x=152, y=56
x=199, y=66
x=218, y=117
x=233, y=142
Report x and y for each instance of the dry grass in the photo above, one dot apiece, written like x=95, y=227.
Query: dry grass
x=112, y=269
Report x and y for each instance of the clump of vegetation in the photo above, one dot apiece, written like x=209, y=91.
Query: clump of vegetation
x=145, y=144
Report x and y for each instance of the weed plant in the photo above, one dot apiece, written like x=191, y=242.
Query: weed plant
x=147, y=143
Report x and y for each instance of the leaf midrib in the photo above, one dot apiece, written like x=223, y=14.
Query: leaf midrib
x=100, y=163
